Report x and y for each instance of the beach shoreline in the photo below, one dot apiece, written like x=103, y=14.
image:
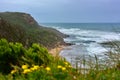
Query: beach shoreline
x=56, y=51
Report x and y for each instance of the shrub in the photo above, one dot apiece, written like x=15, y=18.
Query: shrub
x=14, y=54
x=38, y=55
x=10, y=53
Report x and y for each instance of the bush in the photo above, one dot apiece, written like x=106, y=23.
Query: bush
x=14, y=54
x=38, y=55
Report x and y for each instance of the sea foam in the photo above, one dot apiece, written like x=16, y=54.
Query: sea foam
x=87, y=39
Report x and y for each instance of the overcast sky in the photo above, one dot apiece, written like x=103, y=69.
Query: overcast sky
x=66, y=10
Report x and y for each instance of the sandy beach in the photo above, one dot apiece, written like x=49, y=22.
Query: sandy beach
x=56, y=51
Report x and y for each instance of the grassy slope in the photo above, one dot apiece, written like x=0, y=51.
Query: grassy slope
x=32, y=32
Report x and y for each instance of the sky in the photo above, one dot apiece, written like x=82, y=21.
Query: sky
x=67, y=11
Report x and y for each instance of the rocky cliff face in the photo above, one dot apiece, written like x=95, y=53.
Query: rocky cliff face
x=29, y=19
x=22, y=27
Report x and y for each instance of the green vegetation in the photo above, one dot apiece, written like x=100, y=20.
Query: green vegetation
x=35, y=63
x=14, y=54
x=23, y=58
x=21, y=27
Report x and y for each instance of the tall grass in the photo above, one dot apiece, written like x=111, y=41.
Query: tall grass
x=105, y=68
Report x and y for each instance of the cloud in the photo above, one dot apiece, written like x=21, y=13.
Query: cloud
x=35, y=2
x=65, y=10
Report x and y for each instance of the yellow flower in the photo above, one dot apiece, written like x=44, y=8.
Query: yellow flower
x=66, y=63
x=26, y=71
x=34, y=68
x=13, y=71
x=48, y=68
x=59, y=66
x=70, y=66
x=24, y=66
x=63, y=68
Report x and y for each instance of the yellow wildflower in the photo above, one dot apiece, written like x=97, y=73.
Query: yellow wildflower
x=59, y=66
x=48, y=68
x=13, y=71
x=66, y=63
x=26, y=71
x=24, y=66
x=63, y=68
x=70, y=66
x=34, y=68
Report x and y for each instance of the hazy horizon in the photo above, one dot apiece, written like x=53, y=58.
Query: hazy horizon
x=84, y=22
x=66, y=11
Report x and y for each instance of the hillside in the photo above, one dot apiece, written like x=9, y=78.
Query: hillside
x=22, y=27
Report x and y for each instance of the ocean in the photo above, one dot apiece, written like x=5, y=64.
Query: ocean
x=86, y=38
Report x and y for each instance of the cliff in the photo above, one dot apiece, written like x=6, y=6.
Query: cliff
x=22, y=27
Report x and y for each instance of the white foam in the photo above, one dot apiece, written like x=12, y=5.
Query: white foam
x=98, y=36
x=89, y=35
x=96, y=49
x=86, y=42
